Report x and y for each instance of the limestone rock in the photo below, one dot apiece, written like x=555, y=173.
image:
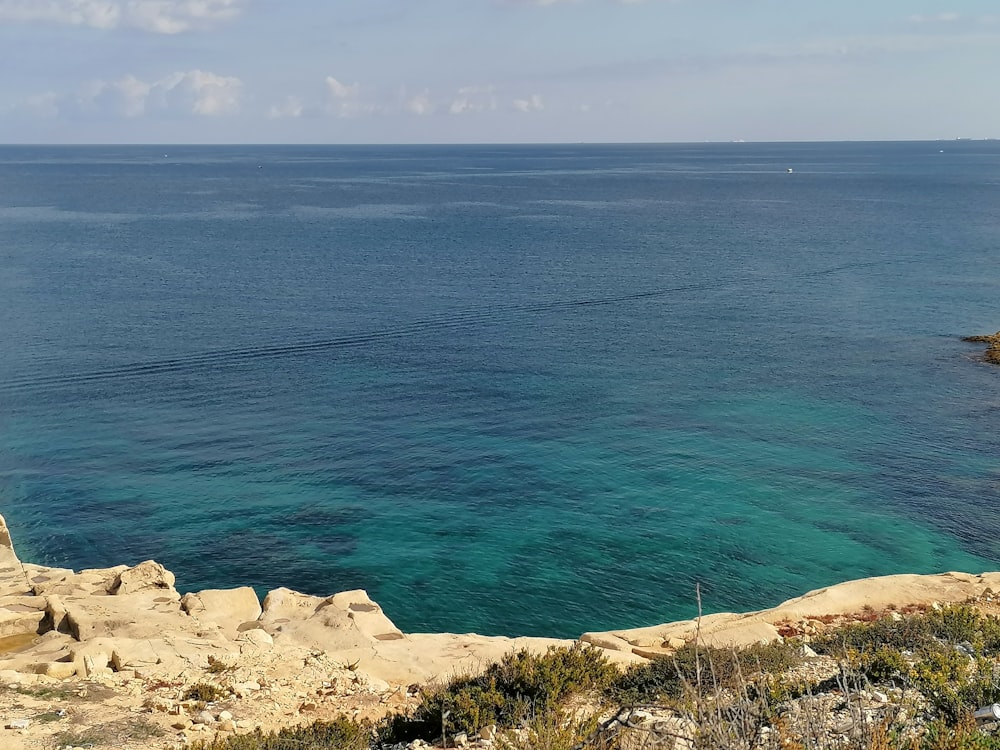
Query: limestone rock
x=652, y=652
x=367, y=616
x=20, y=614
x=145, y=575
x=60, y=670
x=607, y=641
x=147, y=614
x=13, y=579
x=228, y=608
x=648, y=642
x=256, y=637
x=129, y=653
x=342, y=621
x=5, y=540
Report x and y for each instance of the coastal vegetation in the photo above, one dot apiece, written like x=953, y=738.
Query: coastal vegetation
x=882, y=681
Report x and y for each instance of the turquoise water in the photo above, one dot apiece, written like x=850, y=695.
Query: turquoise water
x=519, y=390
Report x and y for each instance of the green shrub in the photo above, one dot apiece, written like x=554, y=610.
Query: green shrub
x=341, y=734
x=923, y=633
x=508, y=693
x=669, y=677
x=955, y=685
x=964, y=736
x=205, y=692
x=554, y=732
x=886, y=664
x=219, y=666
x=913, y=633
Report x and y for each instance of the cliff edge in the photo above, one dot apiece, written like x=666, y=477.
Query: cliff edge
x=122, y=641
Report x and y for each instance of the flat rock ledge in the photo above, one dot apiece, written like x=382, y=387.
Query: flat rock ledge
x=120, y=647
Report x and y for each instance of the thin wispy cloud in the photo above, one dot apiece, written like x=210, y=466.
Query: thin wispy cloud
x=156, y=16
x=487, y=70
x=193, y=93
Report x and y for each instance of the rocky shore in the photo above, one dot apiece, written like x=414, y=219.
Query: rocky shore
x=118, y=654
x=992, y=341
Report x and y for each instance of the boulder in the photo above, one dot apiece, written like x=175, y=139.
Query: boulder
x=135, y=616
x=13, y=580
x=367, y=616
x=59, y=670
x=93, y=657
x=5, y=540
x=228, y=608
x=133, y=654
x=343, y=621
x=257, y=638
x=64, y=582
x=607, y=641
x=21, y=616
x=144, y=576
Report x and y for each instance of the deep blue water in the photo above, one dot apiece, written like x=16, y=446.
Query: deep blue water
x=522, y=390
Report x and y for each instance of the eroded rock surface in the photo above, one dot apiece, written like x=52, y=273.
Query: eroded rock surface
x=120, y=650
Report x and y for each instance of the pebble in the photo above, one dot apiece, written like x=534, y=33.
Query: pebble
x=19, y=724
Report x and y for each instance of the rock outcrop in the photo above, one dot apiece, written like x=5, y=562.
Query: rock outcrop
x=732, y=629
x=127, y=631
x=992, y=341
x=63, y=624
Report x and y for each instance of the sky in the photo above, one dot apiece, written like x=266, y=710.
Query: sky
x=496, y=71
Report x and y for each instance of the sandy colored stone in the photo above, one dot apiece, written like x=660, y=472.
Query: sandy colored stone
x=652, y=652
x=607, y=641
x=144, y=576
x=330, y=656
x=256, y=637
x=228, y=608
x=59, y=670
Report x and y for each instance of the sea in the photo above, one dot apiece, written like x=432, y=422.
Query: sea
x=520, y=390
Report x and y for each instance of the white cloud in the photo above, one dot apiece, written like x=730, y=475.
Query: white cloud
x=533, y=103
x=346, y=99
x=471, y=99
x=156, y=16
x=420, y=104
x=938, y=18
x=291, y=107
x=340, y=90
x=42, y=105
x=567, y=2
x=192, y=92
